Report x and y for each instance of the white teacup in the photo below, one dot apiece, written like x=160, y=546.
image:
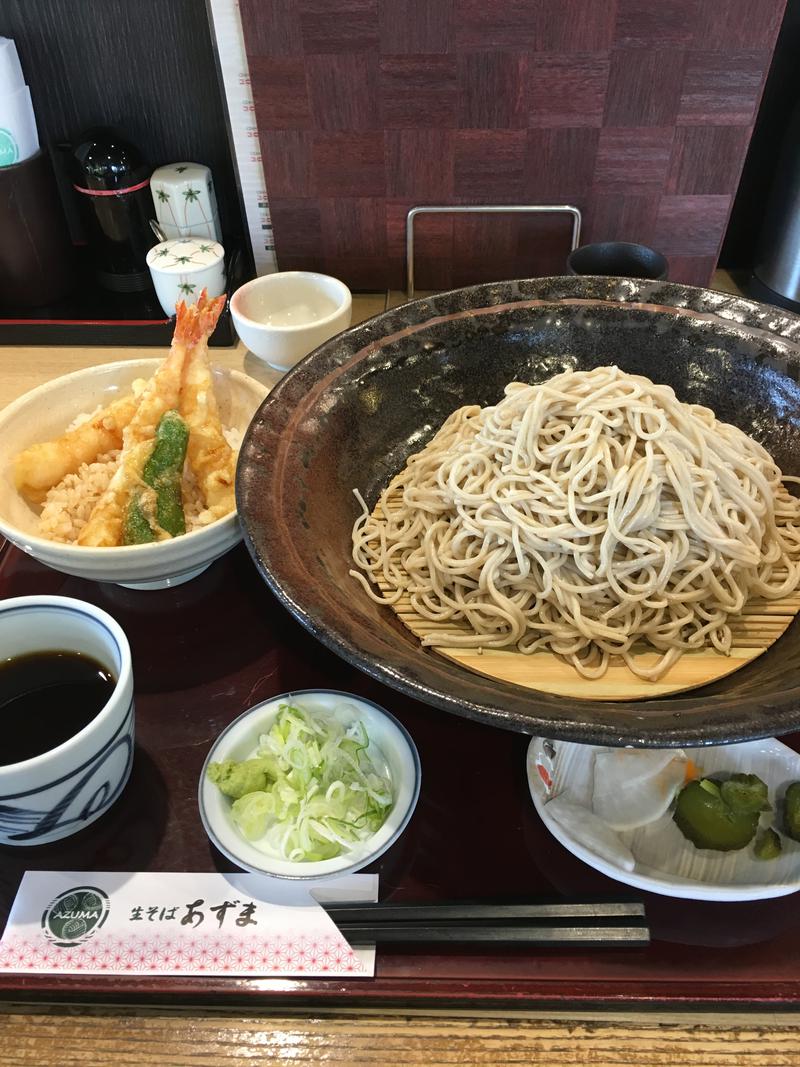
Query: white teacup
x=66, y=788
x=282, y=317
x=183, y=267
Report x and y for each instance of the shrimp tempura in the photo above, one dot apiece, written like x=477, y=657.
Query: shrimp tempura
x=210, y=456
x=104, y=528
x=40, y=467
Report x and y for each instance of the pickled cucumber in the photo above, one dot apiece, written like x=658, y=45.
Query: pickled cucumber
x=791, y=811
x=745, y=792
x=703, y=816
x=768, y=846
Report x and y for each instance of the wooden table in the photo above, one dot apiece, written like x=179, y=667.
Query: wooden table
x=99, y=1036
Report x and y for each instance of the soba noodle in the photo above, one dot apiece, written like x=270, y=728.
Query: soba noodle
x=580, y=516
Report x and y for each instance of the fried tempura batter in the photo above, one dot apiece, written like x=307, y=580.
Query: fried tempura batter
x=104, y=528
x=40, y=467
x=183, y=381
x=210, y=456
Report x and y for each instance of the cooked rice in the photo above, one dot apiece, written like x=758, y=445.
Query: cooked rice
x=69, y=504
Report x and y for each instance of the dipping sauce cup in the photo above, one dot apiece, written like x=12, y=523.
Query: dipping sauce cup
x=65, y=788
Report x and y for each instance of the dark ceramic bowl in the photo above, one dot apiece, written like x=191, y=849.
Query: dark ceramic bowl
x=618, y=258
x=351, y=412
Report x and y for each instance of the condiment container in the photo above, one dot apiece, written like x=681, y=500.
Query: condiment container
x=182, y=268
x=37, y=263
x=111, y=178
x=183, y=195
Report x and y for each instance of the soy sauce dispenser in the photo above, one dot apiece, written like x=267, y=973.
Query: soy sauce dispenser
x=111, y=179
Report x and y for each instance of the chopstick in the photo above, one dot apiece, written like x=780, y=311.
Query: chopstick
x=388, y=911
x=585, y=923
x=586, y=936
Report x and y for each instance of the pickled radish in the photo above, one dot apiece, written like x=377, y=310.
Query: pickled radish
x=634, y=787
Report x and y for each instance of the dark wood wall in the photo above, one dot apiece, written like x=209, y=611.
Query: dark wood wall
x=144, y=65
x=638, y=112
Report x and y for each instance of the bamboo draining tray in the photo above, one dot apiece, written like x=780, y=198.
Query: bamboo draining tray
x=761, y=624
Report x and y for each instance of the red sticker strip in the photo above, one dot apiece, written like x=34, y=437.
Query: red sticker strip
x=111, y=192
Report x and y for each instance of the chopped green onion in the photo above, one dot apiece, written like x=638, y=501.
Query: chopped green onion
x=324, y=793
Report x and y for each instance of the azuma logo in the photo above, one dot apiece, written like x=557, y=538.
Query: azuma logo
x=73, y=917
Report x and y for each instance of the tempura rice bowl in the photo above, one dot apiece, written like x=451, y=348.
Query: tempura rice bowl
x=44, y=413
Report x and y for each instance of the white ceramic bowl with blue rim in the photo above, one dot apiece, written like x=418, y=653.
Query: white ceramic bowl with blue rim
x=240, y=740
x=45, y=412
x=64, y=790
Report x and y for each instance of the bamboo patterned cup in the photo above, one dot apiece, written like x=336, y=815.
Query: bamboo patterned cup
x=181, y=269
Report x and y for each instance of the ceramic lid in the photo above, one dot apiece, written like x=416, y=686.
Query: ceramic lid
x=184, y=255
x=181, y=174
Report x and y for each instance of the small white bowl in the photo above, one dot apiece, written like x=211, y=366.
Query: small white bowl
x=239, y=740
x=182, y=268
x=63, y=790
x=282, y=317
x=45, y=412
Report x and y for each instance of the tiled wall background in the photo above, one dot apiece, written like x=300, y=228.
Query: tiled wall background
x=637, y=111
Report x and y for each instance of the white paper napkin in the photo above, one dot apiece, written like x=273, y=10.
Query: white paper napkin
x=18, y=137
x=102, y=922
x=11, y=77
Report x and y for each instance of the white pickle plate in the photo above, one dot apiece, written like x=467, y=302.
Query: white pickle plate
x=664, y=860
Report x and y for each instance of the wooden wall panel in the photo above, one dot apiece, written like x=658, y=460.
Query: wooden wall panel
x=638, y=113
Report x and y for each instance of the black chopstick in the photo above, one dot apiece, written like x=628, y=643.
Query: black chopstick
x=637, y=936
x=387, y=911
x=599, y=923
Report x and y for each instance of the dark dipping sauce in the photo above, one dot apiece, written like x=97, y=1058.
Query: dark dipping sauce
x=46, y=698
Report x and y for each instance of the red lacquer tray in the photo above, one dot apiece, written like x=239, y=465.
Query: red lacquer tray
x=206, y=651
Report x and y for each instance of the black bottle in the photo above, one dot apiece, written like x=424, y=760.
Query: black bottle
x=111, y=178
